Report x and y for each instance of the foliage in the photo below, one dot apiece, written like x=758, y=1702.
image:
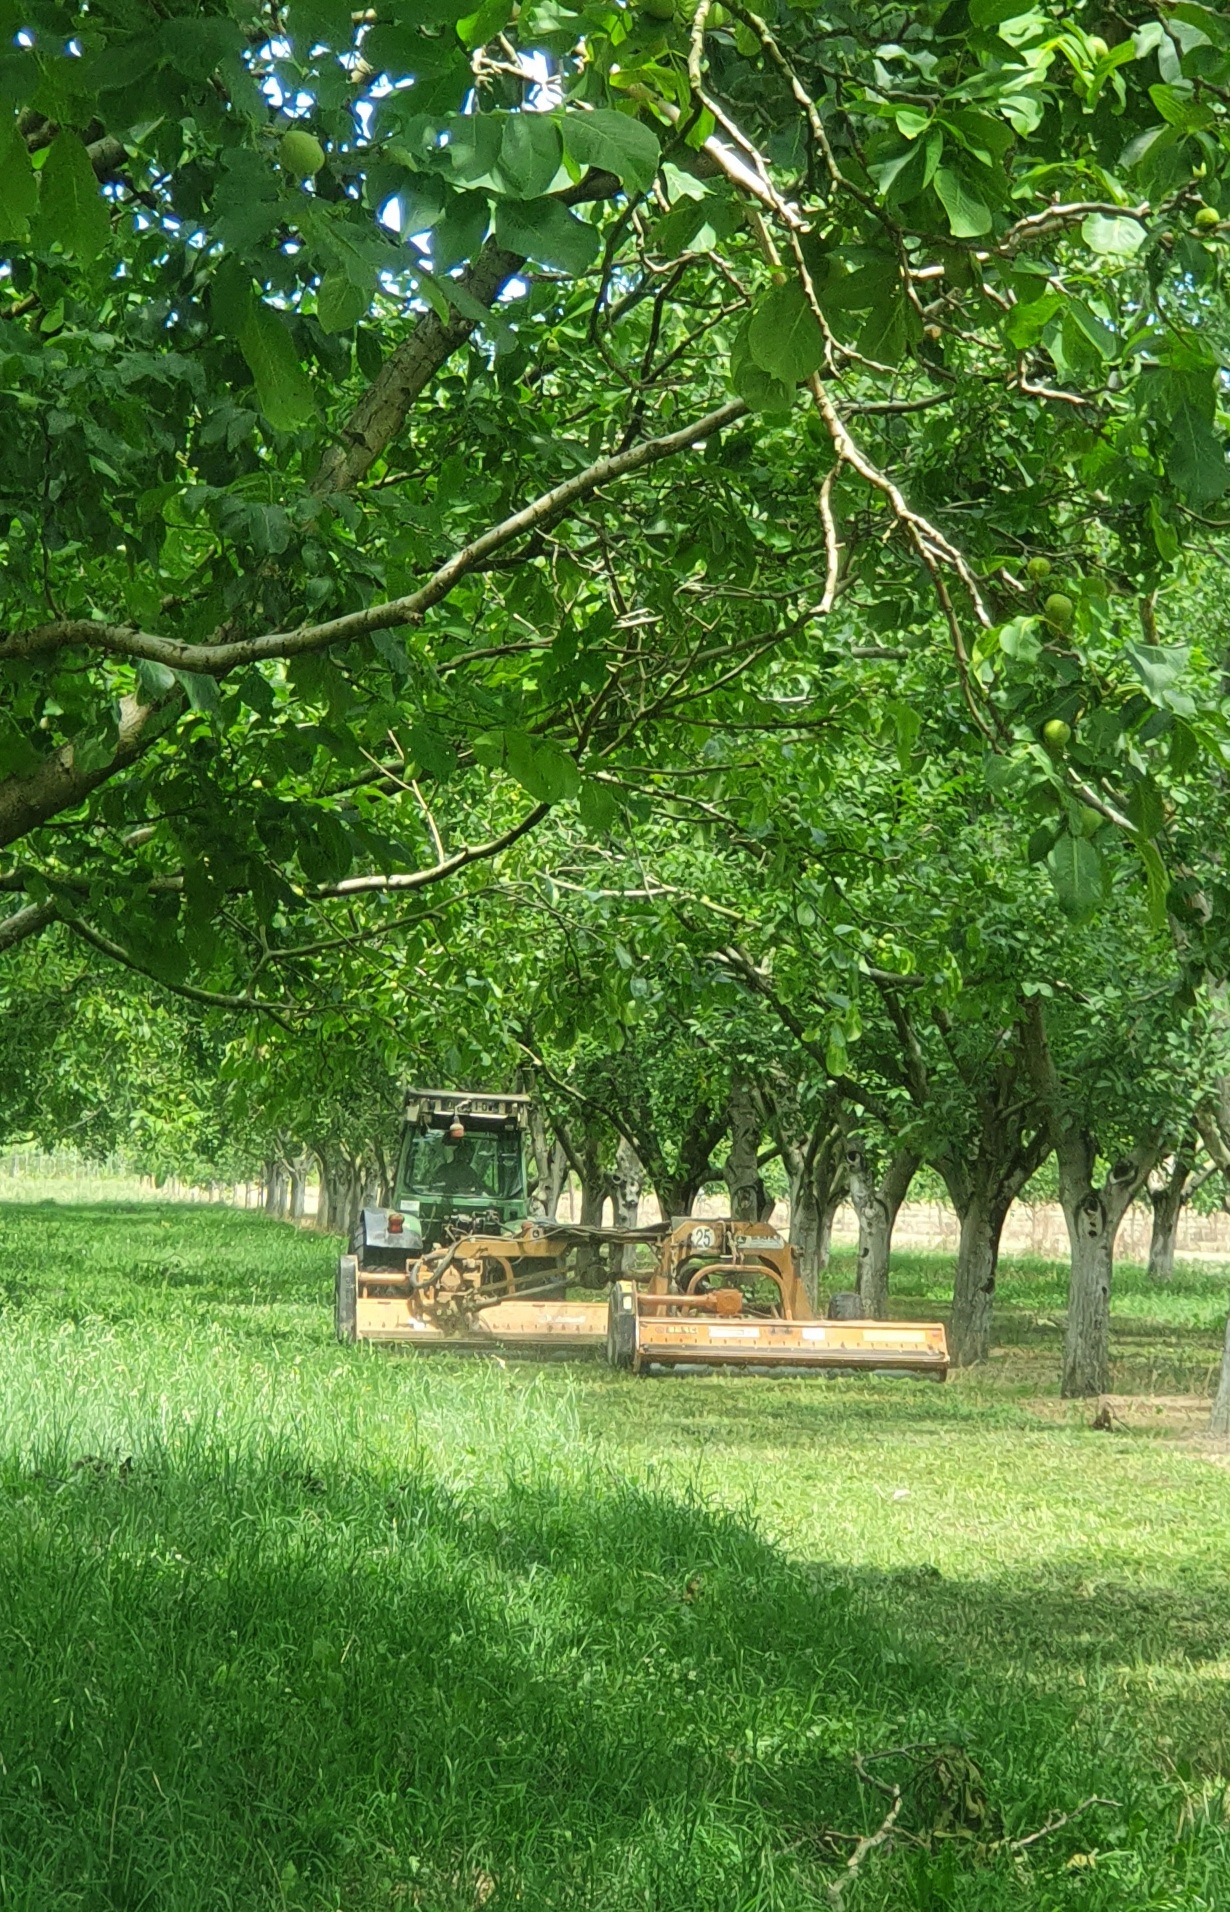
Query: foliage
x=345, y=361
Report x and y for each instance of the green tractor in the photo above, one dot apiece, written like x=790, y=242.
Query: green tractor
x=460, y=1172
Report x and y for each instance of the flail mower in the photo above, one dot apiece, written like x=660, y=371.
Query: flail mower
x=459, y=1263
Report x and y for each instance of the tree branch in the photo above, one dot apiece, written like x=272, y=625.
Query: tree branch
x=419, y=879
x=215, y=660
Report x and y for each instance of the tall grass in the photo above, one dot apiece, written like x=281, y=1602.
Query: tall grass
x=289, y=1626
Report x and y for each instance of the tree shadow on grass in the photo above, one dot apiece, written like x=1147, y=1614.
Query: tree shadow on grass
x=233, y=1683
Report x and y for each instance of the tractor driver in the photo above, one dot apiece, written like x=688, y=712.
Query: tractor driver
x=461, y=1177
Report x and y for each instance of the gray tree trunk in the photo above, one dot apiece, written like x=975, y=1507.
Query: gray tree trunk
x=626, y=1185
x=1167, y=1204
x=1219, y=1419
x=742, y=1166
x=876, y=1204
x=807, y=1235
x=1093, y=1216
x=298, y=1187
x=590, y=1270
x=973, y=1293
x=1167, y=1211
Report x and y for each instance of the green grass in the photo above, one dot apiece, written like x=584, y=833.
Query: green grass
x=1166, y=1337
x=291, y=1627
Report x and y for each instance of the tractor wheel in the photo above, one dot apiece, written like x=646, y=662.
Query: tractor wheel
x=845, y=1306
x=346, y=1299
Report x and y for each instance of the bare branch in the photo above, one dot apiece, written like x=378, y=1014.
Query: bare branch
x=419, y=879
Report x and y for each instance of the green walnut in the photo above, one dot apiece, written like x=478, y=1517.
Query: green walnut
x=1207, y=217
x=1038, y=570
x=1090, y=820
x=1059, y=610
x=301, y=154
x=1056, y=735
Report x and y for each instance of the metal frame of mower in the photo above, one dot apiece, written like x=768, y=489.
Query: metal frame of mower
x=721, y=1293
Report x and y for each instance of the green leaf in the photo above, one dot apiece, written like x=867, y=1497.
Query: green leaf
x=1144, y=807
x=1189, y=115
x=1197, y=460
x=282, y=386
x=18, y=186
x=1119, y=236
x=202, y=691
x=1157, y=882
x=545, y=231
x=538, y=765
x=432, y=753
x=598, y=807
x=991, y=13
x=388, y=647
x=323, y=845
x=754, y=385
x=72, y=211
x=783, y=337
x=1021, y=639
x=1161, y=666
x=153, y=680
x=1076, y=871
x=340, y=303
x=613, y=143
x=531, y=153
x=886, y=333
x=968, y=215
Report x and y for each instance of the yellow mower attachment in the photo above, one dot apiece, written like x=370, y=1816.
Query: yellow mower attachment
x=483, y=1292
x=728, y=1294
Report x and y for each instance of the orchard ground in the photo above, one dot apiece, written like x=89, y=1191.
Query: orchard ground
x=291, y=1626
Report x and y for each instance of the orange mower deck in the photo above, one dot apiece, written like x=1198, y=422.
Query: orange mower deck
x=721, y=1293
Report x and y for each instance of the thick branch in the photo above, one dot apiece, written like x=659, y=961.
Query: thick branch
x=60, y=784
x=382, y=411
x=211, y=998
x=20, y=924
x=215, y=660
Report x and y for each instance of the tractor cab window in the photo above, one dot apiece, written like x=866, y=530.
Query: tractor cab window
x=476, y=1168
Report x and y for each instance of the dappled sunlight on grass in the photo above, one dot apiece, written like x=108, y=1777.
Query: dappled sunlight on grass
x=339, y=1630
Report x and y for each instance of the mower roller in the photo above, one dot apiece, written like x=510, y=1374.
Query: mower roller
x=458, y=1263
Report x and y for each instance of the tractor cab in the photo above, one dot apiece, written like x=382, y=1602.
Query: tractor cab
x=461, y=1166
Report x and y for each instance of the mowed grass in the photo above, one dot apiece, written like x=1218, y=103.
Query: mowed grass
x=1166, y=1337
x=289, y=1626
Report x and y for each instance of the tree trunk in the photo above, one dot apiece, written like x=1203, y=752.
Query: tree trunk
x=298, y=1187
x=807, y=1235
x=973, y=1293
x=742, y=1166
x=590, y=1271
x=626, y=1184
x=1167, y=1205
x=983, y=1189
x=323, y=1214
x=1219, y=1419
x=876, y=1203
x=1093, y=1216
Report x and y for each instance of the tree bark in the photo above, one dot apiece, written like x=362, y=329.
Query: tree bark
x=1167, y=1203
x=626, y=1185
x=813, y=1155
x=1219, y=1419
x=1093, y=1216
x=973, y=1293
x=298, y=1186
x=876, y=1204
x=742, y=1166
